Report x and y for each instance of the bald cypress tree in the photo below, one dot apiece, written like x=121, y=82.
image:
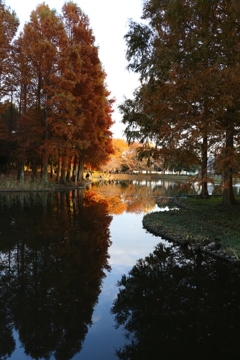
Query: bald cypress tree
x=187, y=56
x=8, y=27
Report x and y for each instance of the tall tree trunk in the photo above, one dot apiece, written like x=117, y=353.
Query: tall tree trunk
x=51, y=170
x=58, y=168
x=20, y=173
x=75, y=170
x=45, y=152
x=69, y=170
x=45, y=167
x=34, y=169
x=228, y=197
x=81, y=168
x=204, y=191
x=63, y=171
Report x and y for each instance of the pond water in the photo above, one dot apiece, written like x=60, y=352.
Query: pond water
x=81, y=279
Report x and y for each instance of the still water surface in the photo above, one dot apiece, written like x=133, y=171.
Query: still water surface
x=81, y=279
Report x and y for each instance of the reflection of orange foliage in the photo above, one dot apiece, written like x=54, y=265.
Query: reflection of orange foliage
x=91, y=196
x=127, y=196
x=139, y=205
x=115, y=205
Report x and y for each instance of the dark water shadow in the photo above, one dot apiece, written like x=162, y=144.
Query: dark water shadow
x=179, y=304
x=53, y=257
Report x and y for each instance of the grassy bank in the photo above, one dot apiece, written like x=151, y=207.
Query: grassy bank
x=11, y=184
x=204, y=223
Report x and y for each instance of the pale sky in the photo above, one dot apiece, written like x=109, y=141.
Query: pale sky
x=109, y=21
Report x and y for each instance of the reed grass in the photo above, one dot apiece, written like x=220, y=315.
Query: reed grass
x=11, y=184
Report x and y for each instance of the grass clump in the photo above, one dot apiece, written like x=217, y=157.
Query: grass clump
x=204, y=221
x=11, y=184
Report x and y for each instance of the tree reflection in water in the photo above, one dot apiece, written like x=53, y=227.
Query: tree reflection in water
x=132, y=196
x=174, y=305
x=54, y=254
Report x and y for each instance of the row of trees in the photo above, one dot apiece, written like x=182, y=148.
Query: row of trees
x=135, y=156
x=187, y=54
x=54, y=102
x=128, y=157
